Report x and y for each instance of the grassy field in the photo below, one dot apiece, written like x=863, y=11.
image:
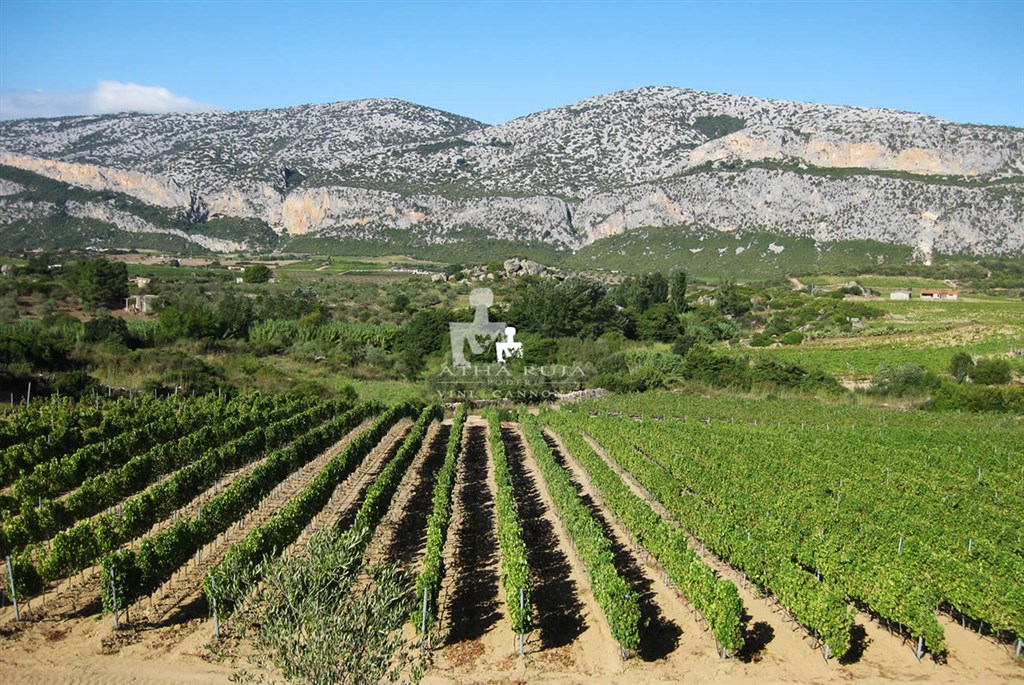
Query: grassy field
x=918, y=332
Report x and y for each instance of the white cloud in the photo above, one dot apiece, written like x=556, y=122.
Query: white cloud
x=114, y=96
x=107, y=97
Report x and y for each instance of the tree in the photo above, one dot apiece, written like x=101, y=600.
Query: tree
x=577, y=306
x=639, y=293
x=256, y=273
x=425, y=334
x=659, y=323
x=678, y=291
x=992, y=372
x=731, y=300
x=961, y=366
x=234, y=316
x=99, y=283
x=188, y=317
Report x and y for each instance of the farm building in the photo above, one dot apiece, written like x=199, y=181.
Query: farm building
x=900, y=295
x=939, y=295
x=140, y=304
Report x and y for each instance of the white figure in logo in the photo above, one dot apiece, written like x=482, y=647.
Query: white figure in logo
x=479, y=332
x=510, y=348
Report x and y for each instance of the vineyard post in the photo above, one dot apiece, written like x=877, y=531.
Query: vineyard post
x=1019, y=647
x=28, y=395
x=899, y=549
x=113, y=596
x=423, y=617
x=522, y=606
x=213, y=600
x=920, y=647
x=14, y=593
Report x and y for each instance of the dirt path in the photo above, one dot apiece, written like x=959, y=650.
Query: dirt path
x=572, y=631
x=384, y=535
x=473, y=620
x=181, y=597
x=341, y=509
x=402, y=534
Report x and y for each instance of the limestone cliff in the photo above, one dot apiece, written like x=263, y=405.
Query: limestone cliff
x=373, y=169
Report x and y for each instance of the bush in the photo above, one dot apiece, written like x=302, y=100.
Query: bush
x=904, y=380
x=969, y=397
x=771, y=372
x=74, y=383
x=105, y=328
x=992, y=372
x=793, y=338
x=704, y=366
x=257, y=273
x=761, y=340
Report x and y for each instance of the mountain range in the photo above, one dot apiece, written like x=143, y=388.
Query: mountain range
x=398, y=175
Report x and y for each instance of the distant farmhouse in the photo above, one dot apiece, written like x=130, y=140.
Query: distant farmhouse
x=940, y=295
x=930, y=294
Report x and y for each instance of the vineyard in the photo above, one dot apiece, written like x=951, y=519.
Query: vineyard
x=653, y=537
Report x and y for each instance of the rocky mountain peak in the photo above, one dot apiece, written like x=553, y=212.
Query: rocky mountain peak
x=653, y=156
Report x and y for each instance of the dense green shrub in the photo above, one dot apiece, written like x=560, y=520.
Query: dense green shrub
x=903, y=380
x=970, y=397
x=793, y=338
x=105, y=328
x=991, y=372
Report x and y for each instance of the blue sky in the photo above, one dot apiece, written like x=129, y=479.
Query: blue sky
x=495, y=61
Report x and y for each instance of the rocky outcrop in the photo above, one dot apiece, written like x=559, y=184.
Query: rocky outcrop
x=523, y=267
x=931, y=217
x=567, y=176
x=133, y=224
x=148, y=188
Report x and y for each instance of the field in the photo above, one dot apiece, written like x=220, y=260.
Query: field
x=650, y=538
x=914, y=332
